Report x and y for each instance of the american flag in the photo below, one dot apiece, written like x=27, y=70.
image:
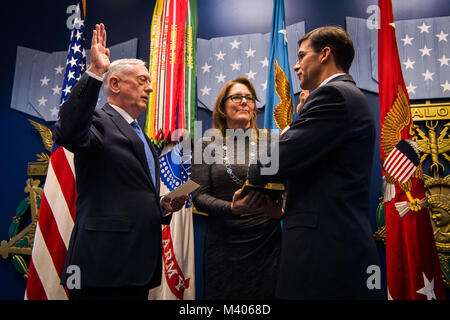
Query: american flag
x=57, y=210
x=402, y=162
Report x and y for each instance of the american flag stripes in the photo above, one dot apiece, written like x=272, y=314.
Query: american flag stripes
x=57, y=210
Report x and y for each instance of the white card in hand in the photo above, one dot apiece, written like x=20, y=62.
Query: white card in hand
x=184, y=189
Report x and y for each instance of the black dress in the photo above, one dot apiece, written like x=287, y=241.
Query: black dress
x=241, y=253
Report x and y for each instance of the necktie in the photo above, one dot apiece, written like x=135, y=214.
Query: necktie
x=148, y=152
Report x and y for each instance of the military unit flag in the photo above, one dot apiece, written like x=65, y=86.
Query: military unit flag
x=413, y=271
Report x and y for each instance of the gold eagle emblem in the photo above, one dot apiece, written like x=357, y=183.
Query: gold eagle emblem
x=284, y=110
x=46, y=135
x=399, y=117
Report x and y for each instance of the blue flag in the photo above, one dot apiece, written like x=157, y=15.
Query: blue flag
x=280, y=90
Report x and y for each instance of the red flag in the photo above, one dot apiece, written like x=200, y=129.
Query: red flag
x=413, y=270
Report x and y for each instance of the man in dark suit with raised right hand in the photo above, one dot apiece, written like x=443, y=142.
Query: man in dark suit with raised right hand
x=325, y=157
x=116, y=239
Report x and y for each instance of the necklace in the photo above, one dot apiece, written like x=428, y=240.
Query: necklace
x=252, y=158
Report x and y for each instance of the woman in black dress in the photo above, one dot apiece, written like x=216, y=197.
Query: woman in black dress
x=243, y=235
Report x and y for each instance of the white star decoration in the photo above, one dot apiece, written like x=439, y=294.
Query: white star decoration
x=250, y=74
x=206, y=68
x=56, y=90
x=428, y=75
x=443, y=60
x=44, y=81
x=407, y=40
x=424, y=28
x=423, y=48
x=250, y=52
x=59, y=69
x=42, y=101
x=205, y=90
x=442, y=36
x=234, y=56
x=428, y=289
x=264, y=63
x=411, y=88
x=221, y=78
x=425, y=51
x=235, y=66
x=220, y=55
x=54, y=112
x=264, y=85
x=445, y=86
x=235, y=44
x=409, y=64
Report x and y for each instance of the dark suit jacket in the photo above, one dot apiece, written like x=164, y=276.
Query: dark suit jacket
x=326, y=160
x=116, y=240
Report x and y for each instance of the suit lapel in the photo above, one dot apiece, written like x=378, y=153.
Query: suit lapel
x=137, y=144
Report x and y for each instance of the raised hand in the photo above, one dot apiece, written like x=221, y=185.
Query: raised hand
x=99, y=52
x=303, y=95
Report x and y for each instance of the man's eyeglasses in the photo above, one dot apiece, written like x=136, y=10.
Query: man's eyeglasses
x=237, y=98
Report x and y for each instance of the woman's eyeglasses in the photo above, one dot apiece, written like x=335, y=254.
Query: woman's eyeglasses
x=237, y=98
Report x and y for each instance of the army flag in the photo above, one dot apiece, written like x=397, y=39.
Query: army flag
x=413, y=271
x=172, y=68
x=279, y=108
x=178, y=275
x=171, y=111
x=190, y=69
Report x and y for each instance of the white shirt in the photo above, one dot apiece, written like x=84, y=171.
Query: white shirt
x=123, y=113
x=324, y=82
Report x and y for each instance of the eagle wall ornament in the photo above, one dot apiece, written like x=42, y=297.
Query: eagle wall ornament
x=284, y=110
x=21, y=238
x=402, y=157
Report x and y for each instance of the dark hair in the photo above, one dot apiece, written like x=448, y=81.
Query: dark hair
x=337, y=39
x=219, y=115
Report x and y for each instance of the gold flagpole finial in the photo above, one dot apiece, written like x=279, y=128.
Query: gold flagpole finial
x=83, y=3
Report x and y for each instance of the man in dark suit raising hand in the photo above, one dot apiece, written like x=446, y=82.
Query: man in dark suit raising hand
x=116, y=239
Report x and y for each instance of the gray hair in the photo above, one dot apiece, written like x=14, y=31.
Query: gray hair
x=119, y=68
